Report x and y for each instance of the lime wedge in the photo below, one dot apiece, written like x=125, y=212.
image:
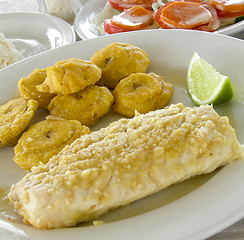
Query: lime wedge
x=206, y=85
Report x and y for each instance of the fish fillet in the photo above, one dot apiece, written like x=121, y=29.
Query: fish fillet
x=126, y=161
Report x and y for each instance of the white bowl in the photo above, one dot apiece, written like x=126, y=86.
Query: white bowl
x=35, y=32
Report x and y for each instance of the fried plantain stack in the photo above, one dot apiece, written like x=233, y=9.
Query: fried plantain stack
x=77, y=94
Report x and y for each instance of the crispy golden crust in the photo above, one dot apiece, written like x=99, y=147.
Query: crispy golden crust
x=141, y=92
x=27, y=88
x=119, y=60
x=14, y=118
x=70, y=76
x=86, y=106
x=128, y=160
x=46, y=139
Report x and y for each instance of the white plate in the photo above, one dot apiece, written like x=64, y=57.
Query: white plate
x=35, y=32
x=85, y=28
x=192, y=210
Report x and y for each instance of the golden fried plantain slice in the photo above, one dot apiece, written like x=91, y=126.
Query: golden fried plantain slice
x=141, y=92
x=70, y=76
x=119, y=60
x=86, y=106
x=15, y=115
x=27, y=88
x=46, y=139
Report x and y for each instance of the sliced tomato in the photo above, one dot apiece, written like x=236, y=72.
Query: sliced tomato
x=228, y=5
x=135, y=18
x=123, y=5
x=228, y=8
x=224, y=14
x=185, y=15
x=214, y=23
x=111, y=28
x=188, y=14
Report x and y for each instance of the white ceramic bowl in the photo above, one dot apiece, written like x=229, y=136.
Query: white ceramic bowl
x=35, y=32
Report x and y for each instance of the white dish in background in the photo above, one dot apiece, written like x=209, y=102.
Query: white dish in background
x=192, y=210
x=85, y=28
x=32, y=33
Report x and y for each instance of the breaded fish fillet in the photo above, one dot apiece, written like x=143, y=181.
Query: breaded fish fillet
x=126, y=161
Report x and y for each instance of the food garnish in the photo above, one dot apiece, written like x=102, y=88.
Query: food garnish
x=229, y=11
x=123, y=5
x=177, y=14
x=188, y=14
x=135, y=18
x=205, y=84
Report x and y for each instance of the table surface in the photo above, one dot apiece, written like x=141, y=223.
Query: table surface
x=234, y=232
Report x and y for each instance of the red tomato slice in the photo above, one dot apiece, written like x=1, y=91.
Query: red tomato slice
x=185, y=15
x=123, y=5
x=135, y=18
x=223, y=14
x=214, y=23
x=188, y=14
x=228, y=5
x=111, y=28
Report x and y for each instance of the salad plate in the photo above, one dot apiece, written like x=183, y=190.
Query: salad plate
x=192, y=210
x=88, y=25
x=33, y=32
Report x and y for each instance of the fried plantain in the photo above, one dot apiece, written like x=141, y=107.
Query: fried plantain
x=141, y=92
x=15, y=116
x=86, y=106
x=70, y=76
x=46, y=139
x=119, y=60
x=27, y=88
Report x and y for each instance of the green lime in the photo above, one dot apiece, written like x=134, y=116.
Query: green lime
x=206, y=85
